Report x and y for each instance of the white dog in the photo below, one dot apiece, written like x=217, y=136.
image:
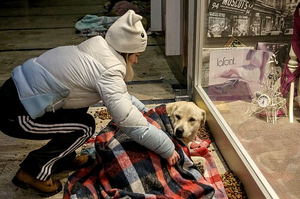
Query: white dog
x=186, y=119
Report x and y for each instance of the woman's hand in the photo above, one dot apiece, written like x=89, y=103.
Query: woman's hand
x=173, y=158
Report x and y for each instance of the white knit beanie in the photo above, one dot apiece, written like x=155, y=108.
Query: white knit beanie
x=127, y=34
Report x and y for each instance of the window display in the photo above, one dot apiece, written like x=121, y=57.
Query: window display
x=239, y=26
x=229, y=81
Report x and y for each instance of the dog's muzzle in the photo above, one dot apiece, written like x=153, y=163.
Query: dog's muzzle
x=179, y=132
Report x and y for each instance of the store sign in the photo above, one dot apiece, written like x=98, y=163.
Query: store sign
x=243, y=7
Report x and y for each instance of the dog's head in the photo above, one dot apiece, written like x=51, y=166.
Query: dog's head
x=186, y=118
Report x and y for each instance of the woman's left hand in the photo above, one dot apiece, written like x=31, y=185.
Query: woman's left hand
x=173, y=158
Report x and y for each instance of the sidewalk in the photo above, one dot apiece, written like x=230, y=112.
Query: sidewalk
x=29, y=29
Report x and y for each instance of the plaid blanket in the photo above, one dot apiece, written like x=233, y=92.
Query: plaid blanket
x=126, y=169
x=199, y=148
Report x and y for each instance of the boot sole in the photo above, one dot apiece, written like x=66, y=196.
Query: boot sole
x=26, y=186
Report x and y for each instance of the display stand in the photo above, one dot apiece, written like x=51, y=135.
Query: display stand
x=269, y=102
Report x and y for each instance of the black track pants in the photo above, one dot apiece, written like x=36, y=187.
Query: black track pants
x=67, y=130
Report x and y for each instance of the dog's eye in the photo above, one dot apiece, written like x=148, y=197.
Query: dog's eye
x=178, y=117
x=192, y=120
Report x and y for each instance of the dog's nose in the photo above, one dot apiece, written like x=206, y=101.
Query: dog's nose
x=179, y=132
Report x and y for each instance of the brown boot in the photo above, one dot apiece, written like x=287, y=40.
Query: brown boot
x=44, y=188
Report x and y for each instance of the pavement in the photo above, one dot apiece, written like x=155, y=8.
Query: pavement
x=29, y=28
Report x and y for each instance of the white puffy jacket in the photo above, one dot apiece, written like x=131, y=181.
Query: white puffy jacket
x=79, y=76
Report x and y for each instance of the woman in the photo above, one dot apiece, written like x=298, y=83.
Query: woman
x=47, y=97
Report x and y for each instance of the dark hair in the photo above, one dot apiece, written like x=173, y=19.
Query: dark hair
x=125, y=56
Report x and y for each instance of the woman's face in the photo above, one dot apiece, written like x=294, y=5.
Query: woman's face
x=133, y=58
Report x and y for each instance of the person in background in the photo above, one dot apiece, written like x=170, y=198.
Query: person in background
x=225, y=32
x=252, y=31
x=48, y=96
x=236, y=32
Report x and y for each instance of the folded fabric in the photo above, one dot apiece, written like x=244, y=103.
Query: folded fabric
x=122, y=7
x=94, y=22
x=200, y=148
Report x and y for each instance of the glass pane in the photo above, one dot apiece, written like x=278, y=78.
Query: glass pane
x=243, y=50
x=235, y=34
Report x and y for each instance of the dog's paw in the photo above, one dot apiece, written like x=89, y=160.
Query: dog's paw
x=200, y=162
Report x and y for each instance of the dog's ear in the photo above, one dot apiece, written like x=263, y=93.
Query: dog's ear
x=203, y=113
x=170, y=107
